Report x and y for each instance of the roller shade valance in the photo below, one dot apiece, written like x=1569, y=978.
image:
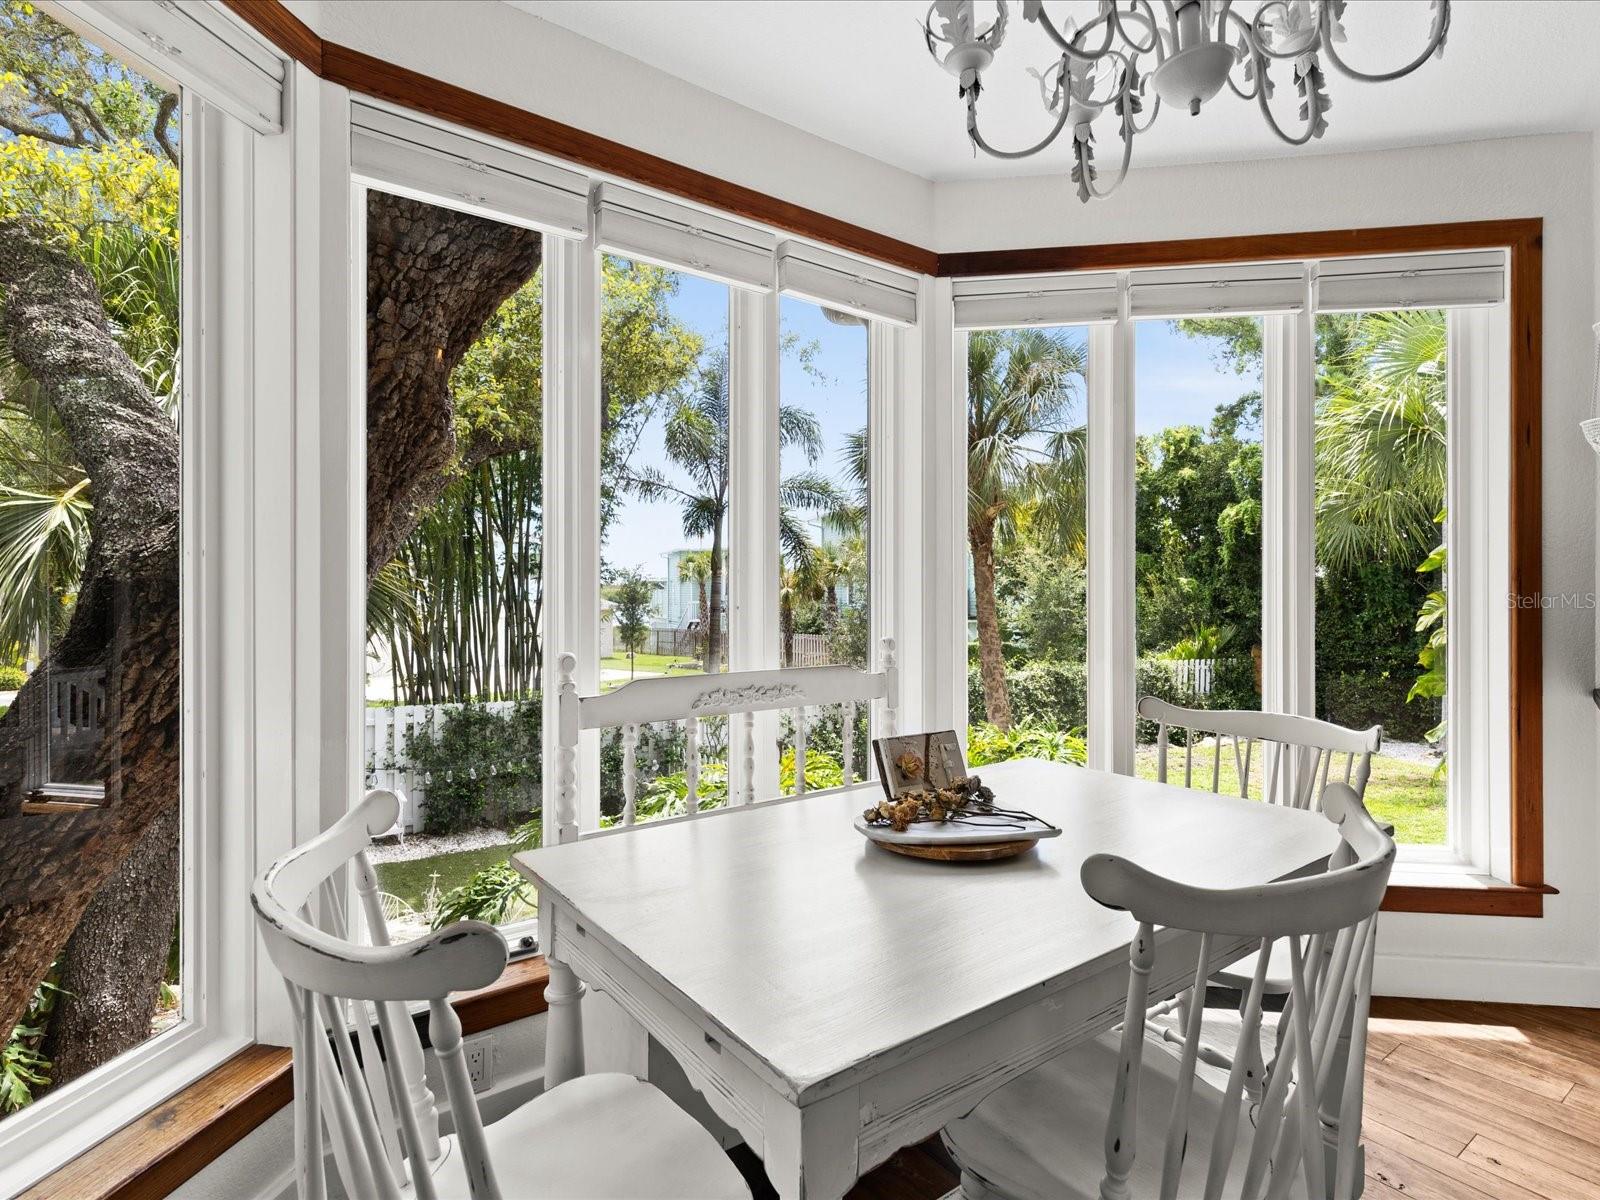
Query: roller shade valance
x=1034, y=301
x=846, y=284
x=195, y=44
x=1217, y=291
x=441, y=166
x=639, y=226
x=1444, y=280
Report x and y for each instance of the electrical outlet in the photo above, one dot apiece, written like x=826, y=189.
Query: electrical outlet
x=479, y=1053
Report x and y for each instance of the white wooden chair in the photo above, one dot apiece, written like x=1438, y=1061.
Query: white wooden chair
x=1294, y=758
x=1298, y=756
x=597, y=1136
x=690, y=699
x=1039, y=1136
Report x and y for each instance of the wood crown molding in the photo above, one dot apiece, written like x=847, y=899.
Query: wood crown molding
x=399, y=85
x=168, y=1145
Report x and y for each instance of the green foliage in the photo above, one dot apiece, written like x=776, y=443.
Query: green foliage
x=482, y=767
x=1043, y=605
x=12, y=679
x=491, y=895
x=630, y=597
x=1204, y=641
x=23, y=1069
x=990, y=744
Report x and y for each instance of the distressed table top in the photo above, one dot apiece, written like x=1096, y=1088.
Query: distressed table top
x=822, y=956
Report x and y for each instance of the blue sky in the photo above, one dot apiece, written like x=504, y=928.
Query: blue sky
x=1178, y=381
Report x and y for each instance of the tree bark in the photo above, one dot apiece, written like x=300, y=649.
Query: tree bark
x=991, y=657
x=434, y=278
x=124, y=624
x=714, y=622
x=111, y=970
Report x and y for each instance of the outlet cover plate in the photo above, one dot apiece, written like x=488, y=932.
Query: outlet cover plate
x=479, y=1053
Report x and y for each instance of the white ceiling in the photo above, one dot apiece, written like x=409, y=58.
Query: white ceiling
x=858, y=74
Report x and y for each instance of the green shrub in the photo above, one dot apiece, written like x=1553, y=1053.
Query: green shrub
x=23, y=1069
x=990, y=744
x=1379, y=698
x=12, y=679
x=482, y=767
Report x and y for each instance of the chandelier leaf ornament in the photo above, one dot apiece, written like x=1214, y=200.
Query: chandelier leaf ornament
x=1127, y=59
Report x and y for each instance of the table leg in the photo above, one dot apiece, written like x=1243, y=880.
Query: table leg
x=563, y=1043
x=811, y=1153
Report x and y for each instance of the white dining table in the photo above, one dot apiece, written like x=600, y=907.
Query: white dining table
x=834, y=1002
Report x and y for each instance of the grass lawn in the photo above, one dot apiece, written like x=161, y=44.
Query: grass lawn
x=409, y=879
x=650, y=664
x=1399, y=792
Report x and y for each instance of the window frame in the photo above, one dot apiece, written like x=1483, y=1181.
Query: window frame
x=227, y=172
x=1510, y=881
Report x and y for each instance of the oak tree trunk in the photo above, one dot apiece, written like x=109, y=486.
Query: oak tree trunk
x=991, y=657
x=434, y=279
x=124, y=626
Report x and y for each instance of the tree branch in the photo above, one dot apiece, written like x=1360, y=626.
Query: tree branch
x=163, y=137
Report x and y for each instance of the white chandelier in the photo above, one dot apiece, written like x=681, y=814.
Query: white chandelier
x=1124, y=53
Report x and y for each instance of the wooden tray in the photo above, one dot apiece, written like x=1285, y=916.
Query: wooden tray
x=987, y=852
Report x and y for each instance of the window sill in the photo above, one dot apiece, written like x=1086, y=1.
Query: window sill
x=172, y=1142
x=1426, y=889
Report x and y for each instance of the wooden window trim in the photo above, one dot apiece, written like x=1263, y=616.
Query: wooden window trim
x=168, y=1145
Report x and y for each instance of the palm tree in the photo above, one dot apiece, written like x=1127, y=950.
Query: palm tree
x=695, y=565
x=1380, y=437
x=1026, y=459
x=697, y=444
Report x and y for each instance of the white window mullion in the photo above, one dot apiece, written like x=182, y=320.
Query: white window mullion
x=1111, y=654
x=1477, y=582
x=572, y=502
x=894, y=508
x=753, y=553
x=1288, y=510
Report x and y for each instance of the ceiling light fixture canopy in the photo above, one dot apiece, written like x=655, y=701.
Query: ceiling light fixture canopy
x=1125, y=56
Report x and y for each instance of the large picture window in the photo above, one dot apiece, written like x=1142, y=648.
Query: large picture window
x=91, y=593
x=1027, y=478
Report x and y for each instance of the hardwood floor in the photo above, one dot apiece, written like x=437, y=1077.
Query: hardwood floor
x=1483, y=1101
x=1463, y=1102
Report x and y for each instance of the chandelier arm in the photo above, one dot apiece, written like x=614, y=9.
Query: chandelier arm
x=980, y=143
x=1313, y=112
x=1261, y=77
x=1261, y=41
x=1066, y=45
x=1122, y=173
x=1441, y=27
x=1155, y=47
x=1155, y=111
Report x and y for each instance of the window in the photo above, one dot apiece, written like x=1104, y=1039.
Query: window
x=1197, y=486
x=1293, y=446
x=665, y=514
x=455, y=519
x=1027, y=457
x=1381, y=476
x=824, y=610
x=92, y=602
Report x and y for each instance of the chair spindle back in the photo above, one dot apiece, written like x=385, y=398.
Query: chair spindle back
x=1298, y=756
x=1329, y=923
x=374, y=1104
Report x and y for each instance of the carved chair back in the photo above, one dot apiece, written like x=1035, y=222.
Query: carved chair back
x=1298, y=756
x=692, y=699
x=1329, y=924
x=380, y=1117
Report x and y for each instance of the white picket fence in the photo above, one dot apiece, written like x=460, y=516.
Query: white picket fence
x=386, y=738
x=1196, y=675
x=810, y=650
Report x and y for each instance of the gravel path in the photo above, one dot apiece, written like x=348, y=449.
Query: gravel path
x=1418, y=752
x=423, y=845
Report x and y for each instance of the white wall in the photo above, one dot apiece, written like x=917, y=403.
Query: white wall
x=1556, y=959
x=508, y=54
